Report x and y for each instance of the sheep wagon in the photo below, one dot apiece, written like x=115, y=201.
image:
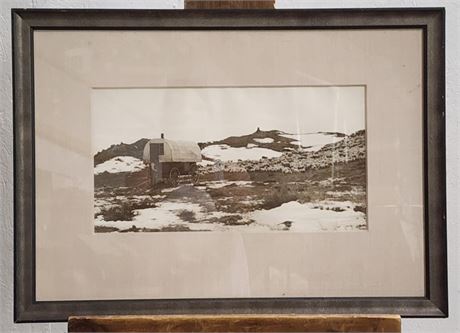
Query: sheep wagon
x=169, y=161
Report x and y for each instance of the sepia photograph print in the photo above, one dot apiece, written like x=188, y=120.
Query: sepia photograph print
x=245, y=159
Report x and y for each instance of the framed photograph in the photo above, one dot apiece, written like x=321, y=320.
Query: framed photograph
x=231, y=161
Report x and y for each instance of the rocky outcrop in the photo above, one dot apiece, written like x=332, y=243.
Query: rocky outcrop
x=350, y=148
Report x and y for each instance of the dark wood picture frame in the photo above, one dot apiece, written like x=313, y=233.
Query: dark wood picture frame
x=430, y=20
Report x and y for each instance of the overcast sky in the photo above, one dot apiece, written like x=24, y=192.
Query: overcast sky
x=205, y=114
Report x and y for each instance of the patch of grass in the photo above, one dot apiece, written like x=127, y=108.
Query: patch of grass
x=123, y=212
x=187, y=216
x=146, y=203
x=168, y=228
x=277, y=198
x=176, y=228
x=287, y=225
x=231, y=191
x=361, y=209
x=171, y=228
x=234, y=220
x=105, y=229
x=132, y=229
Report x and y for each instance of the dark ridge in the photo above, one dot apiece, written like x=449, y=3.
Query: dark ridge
x=279, y=142
x=134, y=149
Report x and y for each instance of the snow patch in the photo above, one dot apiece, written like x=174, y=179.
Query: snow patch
x=264, y=140
x=292, y=216
x=223, y=183
x=226, y=153
x=310, y=217
x=313, y=141
x=120, y=164
x=167, y=214
x=205, y=163
x=171, y=189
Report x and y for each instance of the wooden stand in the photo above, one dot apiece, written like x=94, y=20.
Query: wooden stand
x=236, y=323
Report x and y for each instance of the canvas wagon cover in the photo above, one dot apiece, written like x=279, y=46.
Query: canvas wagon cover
x=175, y=151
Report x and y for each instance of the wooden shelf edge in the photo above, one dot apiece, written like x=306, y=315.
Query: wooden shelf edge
x=236, y=323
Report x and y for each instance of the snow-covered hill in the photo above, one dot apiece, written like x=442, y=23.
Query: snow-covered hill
x=273, y=151
x=322, y=150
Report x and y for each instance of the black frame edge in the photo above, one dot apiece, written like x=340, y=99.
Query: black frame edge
x=22, y=94
x=436, y=163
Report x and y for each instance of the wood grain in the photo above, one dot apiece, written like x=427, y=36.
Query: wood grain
x=227, y=4
x=236, y=323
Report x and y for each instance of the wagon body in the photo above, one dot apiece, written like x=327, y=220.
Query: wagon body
x=169, y=159
x=172, y=151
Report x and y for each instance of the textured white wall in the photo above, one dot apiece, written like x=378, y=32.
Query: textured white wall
x=6, y=144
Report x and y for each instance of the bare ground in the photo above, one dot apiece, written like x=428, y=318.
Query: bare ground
x=120, y=197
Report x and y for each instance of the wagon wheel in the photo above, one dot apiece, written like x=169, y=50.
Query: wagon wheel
x=174, y=176
x=195, y=178
x=195, y=175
